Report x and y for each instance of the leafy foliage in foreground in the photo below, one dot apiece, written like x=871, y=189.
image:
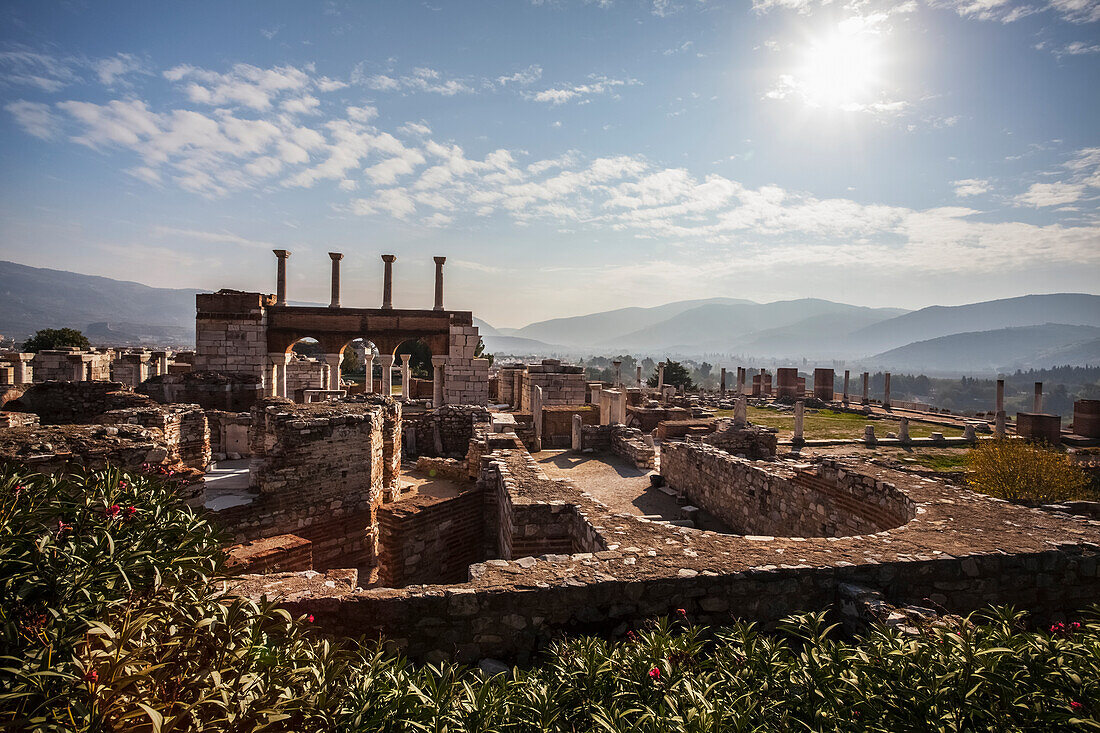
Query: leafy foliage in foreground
x=109, y=620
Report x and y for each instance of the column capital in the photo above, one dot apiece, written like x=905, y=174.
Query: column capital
x=389, y=258
x=336, y=255
x=386, y=359
x=438, y=361
x=282, y=254
x=439, y=260
x=405, y=358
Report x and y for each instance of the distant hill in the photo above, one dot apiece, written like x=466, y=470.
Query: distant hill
x=999, y=350
x=730, y=327
x=1075, y=309
x=598, y=328
x=35, y=298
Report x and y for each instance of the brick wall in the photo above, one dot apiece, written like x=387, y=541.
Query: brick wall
x=430, y=540
x=561, y=384
x=303, y=373
x=466, y=379
x=280, y=554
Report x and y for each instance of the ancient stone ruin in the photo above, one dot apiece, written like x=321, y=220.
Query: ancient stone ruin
x=463, y=521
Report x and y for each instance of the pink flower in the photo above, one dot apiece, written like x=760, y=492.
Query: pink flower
x=122, y=484
x=655, y=674
x=309, y=618
x=631, y=635
x=113, y=511
x=682, y=613
x=62, y=528
x=91, y=676
x=1076, y=705
x=1075, y=625
x=131, y=511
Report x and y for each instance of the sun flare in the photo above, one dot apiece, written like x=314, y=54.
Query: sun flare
x=841, y=70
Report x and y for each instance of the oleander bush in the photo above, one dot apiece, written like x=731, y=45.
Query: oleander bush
x=113, y=617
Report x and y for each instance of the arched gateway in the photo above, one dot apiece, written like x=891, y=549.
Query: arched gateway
x=252, y=334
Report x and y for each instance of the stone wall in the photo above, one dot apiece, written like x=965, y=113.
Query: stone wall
x=72, y=365
x=63, y=403
x=59, y=448
x=679, y=429
x=231, y=334
x=961, y=552
x=228, y=433
x=320, y=470
x=304, y=373
x=630, y=443
x=466, y=378
x=425, y=539
x=209, y=390
x=184, y=428
x=444, y=432
x=557, y=423
x=750, y=441
x=562, y=384
x=781, y=499
x=17, y=419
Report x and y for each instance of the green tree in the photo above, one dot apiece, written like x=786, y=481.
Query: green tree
x=56, y=338
x=676, y=375
x=421, y=361
x=351, y=363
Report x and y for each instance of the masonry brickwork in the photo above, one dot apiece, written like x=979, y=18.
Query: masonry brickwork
x=562, y=384
x=425, y=539
x=750, y=441
x=210, y=390
x=65, y=403
x=231, y=332
x=72, y=364
x=782, y=498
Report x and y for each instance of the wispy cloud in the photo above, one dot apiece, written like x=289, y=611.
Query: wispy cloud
x=596, y=85
x=971, y=187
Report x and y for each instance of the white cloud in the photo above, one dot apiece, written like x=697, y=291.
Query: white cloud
x=29, y=68
x=421, y=79
x=206, y=236
x=523, y=77
x=114, y=69
x=1077, y=11
x=595, y=85
x=1051, y=194
x=971, y=187
x=34, y=117
x=244, y=85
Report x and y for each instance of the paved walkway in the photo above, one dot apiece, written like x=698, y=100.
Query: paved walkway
x=616, y=482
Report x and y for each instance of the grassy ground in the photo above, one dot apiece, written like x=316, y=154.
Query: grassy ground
x=830, y=424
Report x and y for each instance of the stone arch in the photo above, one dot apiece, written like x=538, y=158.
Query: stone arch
x=416, y=369
x=295, y=370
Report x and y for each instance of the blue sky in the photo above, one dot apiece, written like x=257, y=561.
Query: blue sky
x=567, y=157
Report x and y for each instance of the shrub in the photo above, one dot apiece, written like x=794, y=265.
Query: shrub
x=1018, y=470
x=56, y=338
x=113, y=619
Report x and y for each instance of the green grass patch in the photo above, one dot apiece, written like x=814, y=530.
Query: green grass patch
x=836, y=425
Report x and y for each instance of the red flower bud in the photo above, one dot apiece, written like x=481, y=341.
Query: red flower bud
x=1076, y=705
x=655, y=674
x=309, y=618
x=113, y=511
x=91, y=676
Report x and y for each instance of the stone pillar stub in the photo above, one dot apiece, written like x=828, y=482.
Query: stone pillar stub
x=846, y=376
x=1000, y=403
x=869, y=435
x=799, y=423
x=903, y=430
x=1037, y=406
x=639, y=377
x=661, y=377
x=387, y=281
x=368, y=362
x=438, y=375
x=280, y=276
x=741, y=411
x=333, y=361
x=536, y=414
x=334, y=302
x=866, y=388
x=618, y=372
x=439, y=282
x=886, y=392
x=722, y=383
x=999, y=424
x=386, y=360
x=577, y=442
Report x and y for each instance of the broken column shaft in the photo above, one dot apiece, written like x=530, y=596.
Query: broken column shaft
x=280, y=278
x=439, y=282
x=387, y=285
x=335, y=300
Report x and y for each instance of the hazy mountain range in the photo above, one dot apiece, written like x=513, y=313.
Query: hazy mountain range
x=1023, y=332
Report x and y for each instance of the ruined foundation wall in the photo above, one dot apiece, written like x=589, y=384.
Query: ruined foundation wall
x=778, y=500
x=228, y=433
x=466, y=378
x=65, y=403
x=302, y=374
x=446, y=431
x=751, y=441
x=320, y=473
x=209, y=390
x=425, y=539
x=184, y=427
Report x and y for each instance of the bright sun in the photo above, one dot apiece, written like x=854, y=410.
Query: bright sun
x=842, y=70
